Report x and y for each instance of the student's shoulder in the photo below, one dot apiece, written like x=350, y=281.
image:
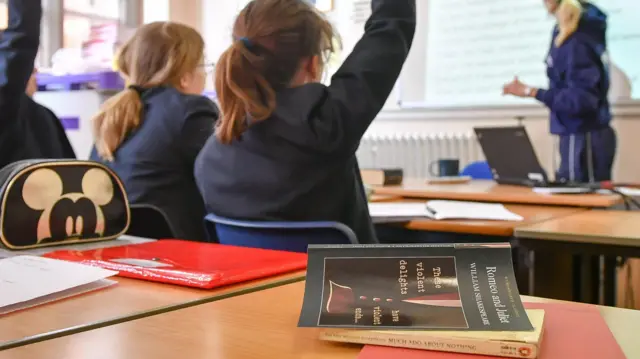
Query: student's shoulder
x=187, y=104
x=303, y=99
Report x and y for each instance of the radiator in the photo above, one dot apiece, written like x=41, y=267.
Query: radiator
x=413, y=152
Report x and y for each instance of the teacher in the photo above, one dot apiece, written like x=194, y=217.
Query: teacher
x=578, y=71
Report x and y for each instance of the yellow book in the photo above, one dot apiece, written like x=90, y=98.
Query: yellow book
x=523, y=345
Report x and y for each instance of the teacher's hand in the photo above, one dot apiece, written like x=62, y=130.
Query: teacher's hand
x=517, y=88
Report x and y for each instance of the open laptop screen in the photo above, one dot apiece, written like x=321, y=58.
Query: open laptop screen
x=510, y=155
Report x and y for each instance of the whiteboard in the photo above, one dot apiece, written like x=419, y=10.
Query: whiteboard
x=475, y=46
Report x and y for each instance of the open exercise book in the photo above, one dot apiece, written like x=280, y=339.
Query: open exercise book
x=445, y=297
x=28, y=281
x=441, y=210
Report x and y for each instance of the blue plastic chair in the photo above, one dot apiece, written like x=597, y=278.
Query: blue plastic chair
x=284, y=236
x=478, y=170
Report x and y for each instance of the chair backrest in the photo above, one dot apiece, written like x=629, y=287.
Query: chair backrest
x=285, y=236
x=150, y=222
x=478, y=170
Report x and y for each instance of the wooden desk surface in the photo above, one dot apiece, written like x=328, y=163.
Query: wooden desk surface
x=384, y=198
x=531, y=215
x=489, y=191
x=257, y=325
x=129, y=299
x=595, y=226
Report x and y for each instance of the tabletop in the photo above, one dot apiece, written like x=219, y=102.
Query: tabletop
x=257, y=325
x=531, y=214
x=489, y=191
x=594, y=227
x=127, y=300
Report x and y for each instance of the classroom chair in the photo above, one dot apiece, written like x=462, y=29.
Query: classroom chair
x=477, y=170
x=284, y=236
x=148, y=221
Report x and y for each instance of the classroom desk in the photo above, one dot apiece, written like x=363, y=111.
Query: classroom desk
x=531, y=215
x=608, y=228
x=595, y=232
x=128, y=300
x=257, y=325
x=383, y=198
x=489, y=191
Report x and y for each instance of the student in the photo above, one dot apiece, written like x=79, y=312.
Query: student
x=578, y=71
x=27, y=129
x=151, y=133
x=285, y=146
x=48, y=131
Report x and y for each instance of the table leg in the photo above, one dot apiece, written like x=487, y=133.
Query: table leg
x=576, y=278
x=609, y=282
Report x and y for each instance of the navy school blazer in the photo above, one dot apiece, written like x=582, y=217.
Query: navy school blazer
x=155, y=161
x=300, y=164
x=28, y=130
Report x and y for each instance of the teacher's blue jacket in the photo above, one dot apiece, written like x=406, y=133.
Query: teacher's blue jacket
x=579, y=77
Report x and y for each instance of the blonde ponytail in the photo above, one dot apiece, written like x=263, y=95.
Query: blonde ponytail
x=158, y=54
x=118, y=116
x=568, y=15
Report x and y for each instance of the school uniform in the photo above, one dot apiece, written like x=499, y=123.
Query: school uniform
x=300, y=163
x=578, y=72
x=155, y=161
x=28, y=130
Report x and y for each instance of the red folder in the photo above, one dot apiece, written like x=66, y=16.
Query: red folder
x=192, y=264
x=571, y=331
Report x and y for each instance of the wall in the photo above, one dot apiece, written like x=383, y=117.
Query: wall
x=626, y=122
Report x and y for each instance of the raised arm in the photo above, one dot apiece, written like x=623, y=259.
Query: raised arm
x=18, y=49
x=361, y=86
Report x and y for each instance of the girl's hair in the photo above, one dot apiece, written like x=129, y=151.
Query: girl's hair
x=158, y=54
x=270, y=39
x=568, y=15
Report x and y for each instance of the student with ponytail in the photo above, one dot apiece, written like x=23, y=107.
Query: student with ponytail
x=578, y=71
x=285, y=146
x=151, y=133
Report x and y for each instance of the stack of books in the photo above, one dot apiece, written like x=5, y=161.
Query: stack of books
x=441, y=301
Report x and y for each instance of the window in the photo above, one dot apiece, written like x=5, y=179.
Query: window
x=4, y=14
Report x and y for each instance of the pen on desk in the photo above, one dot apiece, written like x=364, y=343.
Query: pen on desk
x=431, y=210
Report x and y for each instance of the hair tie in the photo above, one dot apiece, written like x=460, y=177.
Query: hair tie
x=247, y=43
x=136, y=88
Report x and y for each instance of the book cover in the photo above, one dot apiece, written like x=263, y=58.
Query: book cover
x=522, y=345
x=186, y=263
x=413, y=286
x=571, y=331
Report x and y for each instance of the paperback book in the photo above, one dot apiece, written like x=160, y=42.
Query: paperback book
x=510, y=344
x=468, y=287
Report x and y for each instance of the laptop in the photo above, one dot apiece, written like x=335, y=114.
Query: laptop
x=511, y=156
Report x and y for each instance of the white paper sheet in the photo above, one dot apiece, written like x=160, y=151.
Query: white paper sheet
x=72, y=292
x=24, y=278
x=471, y=210
x=437, y=209
x=398, y=209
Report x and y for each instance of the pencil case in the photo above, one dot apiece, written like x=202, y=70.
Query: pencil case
x=57, y=202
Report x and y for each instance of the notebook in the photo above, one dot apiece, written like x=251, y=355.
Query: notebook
x=29, y=281
x=572, y=331
x=441, y=210
x=191, y=264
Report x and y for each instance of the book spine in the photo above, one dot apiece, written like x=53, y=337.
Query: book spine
x=504, y=349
